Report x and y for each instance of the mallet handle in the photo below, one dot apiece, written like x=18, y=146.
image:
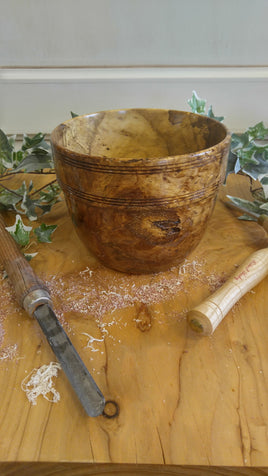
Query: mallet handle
x=208, y=315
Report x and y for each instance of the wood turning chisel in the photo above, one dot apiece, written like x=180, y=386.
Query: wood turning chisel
x=34, y=297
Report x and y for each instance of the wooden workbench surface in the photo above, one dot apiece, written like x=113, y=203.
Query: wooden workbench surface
x=187, y=404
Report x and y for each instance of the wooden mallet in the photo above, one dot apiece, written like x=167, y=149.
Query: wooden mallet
x=206, y=317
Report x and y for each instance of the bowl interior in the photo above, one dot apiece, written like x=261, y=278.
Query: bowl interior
x=138, y=133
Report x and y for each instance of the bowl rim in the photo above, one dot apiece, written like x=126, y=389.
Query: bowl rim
x=69, y=152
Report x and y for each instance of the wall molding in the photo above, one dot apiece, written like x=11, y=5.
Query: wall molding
x=55, y=75
x=34, y=99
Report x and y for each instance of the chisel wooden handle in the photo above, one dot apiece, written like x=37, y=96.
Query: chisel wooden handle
x=208, y=315
x=29, y=289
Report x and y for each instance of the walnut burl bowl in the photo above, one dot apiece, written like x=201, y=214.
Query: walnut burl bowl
x=140, y=184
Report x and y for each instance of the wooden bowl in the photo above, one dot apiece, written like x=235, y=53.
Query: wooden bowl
x=140, y=184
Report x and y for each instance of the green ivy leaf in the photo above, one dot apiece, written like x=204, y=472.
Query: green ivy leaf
x=246, y=218
x=50, y=194
x=35, y=162
x=264, y=179
x=18, y=156
x=44, y=232
x=5, y=146
x=257, y=170
x=6, y=149
x=238, y=141
x=33, y=157
x=264, y=182
x=211, y=114
x=9, y=199
x=264, y=206
x=29, y=206
x=12, y=140
x=256, y=206
x=232, y=164
x=245, y=204
x=257, y=132
x=30, y=256
x=20, y=232
x=251, y=156
x=197, y=104
x=247, y=156
x=48, y=197
x=31, y=142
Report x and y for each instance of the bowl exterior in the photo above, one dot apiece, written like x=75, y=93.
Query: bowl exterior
x=137, y=215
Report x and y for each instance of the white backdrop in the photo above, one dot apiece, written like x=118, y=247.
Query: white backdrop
x=89, y=55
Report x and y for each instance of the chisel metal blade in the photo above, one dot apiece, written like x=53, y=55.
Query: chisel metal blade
x=82, y=382
x=34, y=297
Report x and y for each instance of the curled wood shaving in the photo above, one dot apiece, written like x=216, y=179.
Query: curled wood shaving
x=39, y=382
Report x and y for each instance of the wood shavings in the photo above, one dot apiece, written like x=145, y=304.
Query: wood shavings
x=39, y=382
x=100, y=291
x=193, y=267
x=9, y=352
x=87, y=270
x=8, y=304
x=2, y=332
x=215, y=281
x=91, y=340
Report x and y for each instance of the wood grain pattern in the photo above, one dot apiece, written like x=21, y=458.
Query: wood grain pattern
x=140, y=184
x=187, y=404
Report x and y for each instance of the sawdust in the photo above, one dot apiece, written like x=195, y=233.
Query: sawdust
x=99, y=294
x=8, y=306
x=215, y=281
x=100, y=291
x=7, y=300
x=9, y=352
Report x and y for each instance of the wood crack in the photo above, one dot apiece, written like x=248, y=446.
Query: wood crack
x=161, y=445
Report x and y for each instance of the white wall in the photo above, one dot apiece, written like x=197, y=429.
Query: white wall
x=88, y=55
x=133, y=32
